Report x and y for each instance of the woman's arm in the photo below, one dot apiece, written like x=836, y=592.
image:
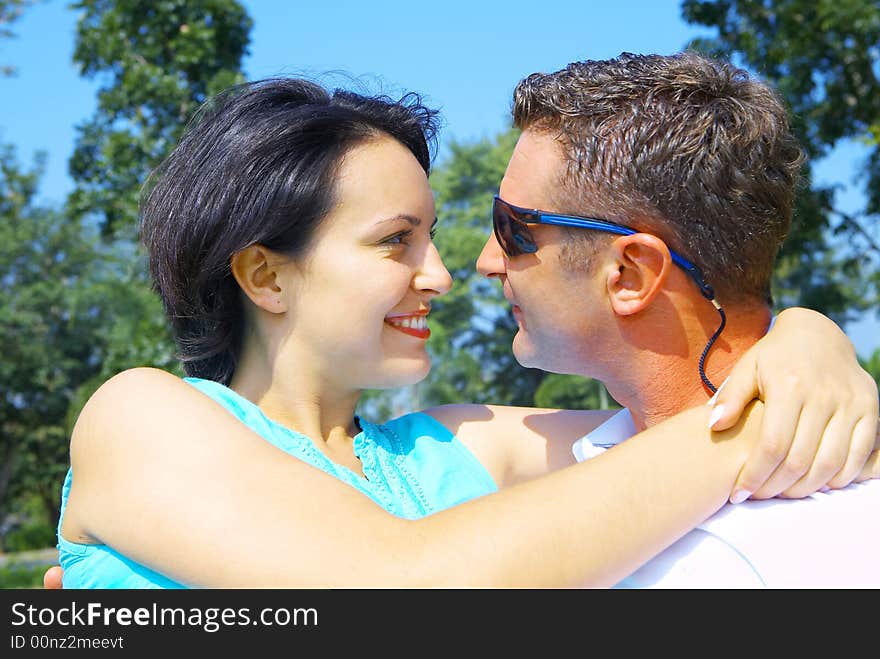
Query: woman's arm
x=166, y=476
x=819, y=426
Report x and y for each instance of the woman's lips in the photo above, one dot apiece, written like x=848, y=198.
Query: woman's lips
x=414, y=324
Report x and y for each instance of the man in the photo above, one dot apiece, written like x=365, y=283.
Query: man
x=666, y=186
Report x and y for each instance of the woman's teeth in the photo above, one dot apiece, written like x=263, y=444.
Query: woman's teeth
x=412, y=322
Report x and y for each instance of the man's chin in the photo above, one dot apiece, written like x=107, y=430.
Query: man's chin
x=528, y=355
x=525, y=352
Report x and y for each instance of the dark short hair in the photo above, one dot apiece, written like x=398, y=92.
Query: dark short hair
x=689, y=148
x=257, y=165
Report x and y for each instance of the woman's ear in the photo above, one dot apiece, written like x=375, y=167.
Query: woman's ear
x=258, y=273
x=643, y=263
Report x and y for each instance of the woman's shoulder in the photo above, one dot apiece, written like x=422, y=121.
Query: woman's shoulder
x=133, y=382
x=140, y=380
x=149, y=387
x=129, y=402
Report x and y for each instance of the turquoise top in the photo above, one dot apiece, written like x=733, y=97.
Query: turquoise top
x=413, y=466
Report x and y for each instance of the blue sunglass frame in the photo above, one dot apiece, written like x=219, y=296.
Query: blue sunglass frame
x=503, y=211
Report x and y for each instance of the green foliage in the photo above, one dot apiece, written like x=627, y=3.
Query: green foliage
x=46, y=317
x=73, y=312
x=33, y=534
x=75, y=302
x=159, y=61
x=21, y=576
x=573, y=392
x=822, y=56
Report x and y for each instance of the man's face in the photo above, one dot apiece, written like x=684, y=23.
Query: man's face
x=559, y=311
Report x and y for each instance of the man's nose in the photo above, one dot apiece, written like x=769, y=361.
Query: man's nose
x=491, y=263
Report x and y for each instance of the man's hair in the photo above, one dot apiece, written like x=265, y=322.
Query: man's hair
x=258, y=164
x=688, y=148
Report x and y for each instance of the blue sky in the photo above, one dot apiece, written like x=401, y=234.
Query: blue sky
x=463, y=57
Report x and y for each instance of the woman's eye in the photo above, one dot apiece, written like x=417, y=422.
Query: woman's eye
x=399, y=238
x=433, y=232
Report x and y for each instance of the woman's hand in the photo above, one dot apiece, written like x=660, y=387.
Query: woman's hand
x=820, y=424
x=52, y=578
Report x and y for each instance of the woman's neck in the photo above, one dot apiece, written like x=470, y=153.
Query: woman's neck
x=310, y=403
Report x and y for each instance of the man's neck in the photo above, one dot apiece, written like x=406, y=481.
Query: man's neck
x=660, y=375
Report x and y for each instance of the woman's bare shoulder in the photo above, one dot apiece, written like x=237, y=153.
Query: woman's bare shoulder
x=137, y=405
x=143, y=379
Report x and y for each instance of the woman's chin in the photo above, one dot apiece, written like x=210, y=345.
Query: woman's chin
x=406, y=372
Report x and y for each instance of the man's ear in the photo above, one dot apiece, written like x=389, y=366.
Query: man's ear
x=257, y=271
x=641, y=266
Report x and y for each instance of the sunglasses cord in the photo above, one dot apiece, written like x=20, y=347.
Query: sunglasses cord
x=708, y=347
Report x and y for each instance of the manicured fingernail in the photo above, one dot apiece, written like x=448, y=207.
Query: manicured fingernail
x=715, y=416
x=717, y=391
x=824, y=488
x=739, y=496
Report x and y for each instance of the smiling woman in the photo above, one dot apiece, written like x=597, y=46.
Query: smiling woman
x=376, y=271
x=290, y=238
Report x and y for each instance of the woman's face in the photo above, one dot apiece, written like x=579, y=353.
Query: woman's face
x=358, y=307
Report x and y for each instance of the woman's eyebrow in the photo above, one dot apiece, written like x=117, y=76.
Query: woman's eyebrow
x=412, y=219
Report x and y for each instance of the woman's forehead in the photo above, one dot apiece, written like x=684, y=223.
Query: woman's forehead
x=381, y=179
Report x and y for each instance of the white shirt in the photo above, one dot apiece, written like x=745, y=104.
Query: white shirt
x=826, y=540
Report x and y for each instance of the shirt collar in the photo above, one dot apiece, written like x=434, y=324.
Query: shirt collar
x=615, y=430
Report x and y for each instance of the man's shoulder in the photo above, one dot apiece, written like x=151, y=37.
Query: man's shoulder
x=833, y=509
x=854, y=497
x=826, y=539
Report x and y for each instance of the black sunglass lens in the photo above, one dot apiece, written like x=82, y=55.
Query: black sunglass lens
x=523, y=243
x=501, y=225
x=513, y=235
x=523, y=240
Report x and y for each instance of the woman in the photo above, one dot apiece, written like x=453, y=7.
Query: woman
x=290, y=236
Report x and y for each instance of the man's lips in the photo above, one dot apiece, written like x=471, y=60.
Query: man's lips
x=517, y=313
x=414, y=324
x=514, y=307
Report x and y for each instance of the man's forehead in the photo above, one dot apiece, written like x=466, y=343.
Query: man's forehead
x=533, y=174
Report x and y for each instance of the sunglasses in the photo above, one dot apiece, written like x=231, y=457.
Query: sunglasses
x=511, y=225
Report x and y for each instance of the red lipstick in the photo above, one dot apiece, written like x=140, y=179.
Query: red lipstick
x=414, y=324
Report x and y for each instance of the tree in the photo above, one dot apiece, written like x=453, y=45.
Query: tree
x=159, y=61
x=47, y=317
x=822, y=55
x=75, y=303
x=69, y=319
